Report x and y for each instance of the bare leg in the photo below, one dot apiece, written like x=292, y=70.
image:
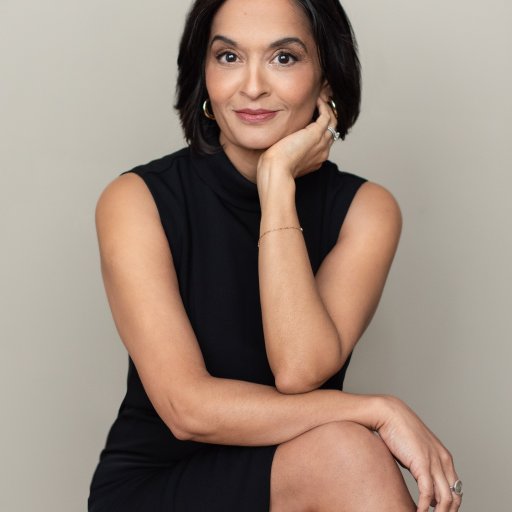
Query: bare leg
x=337, y=467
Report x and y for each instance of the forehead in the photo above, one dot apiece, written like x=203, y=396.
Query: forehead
x=261, y=21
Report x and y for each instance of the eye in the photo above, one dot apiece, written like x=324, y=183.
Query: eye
x=285, y=58
x=227, y=57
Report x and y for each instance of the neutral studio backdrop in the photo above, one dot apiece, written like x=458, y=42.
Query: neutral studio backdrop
x=86, y=92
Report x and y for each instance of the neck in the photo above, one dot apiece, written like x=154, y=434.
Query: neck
x=244, y=160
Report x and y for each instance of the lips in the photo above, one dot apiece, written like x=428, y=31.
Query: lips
x=255, y=115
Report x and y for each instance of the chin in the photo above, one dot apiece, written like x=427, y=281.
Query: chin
x=259, y=143
x=256, y=147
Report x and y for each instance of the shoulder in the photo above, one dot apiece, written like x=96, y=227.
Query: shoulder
x=128, y=200
x=365, y=201
x=372, y=208
x=125, y=196
x=374, y=212
x=130, y=192
x=128, y=226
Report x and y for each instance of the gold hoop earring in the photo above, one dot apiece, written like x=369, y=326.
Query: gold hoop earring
x=208, y=114
x=333, y=106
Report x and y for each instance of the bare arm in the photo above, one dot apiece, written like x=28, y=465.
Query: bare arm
x=143, y=293
x=302, y=343
x=225, y=411
x=312, y=323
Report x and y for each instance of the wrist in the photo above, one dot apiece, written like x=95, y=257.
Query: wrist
x=270, y=167
x=275, y=186
x=375, y=410
x=387, y=407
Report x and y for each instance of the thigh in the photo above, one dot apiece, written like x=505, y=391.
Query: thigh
x=216, y=478
x=331, y=467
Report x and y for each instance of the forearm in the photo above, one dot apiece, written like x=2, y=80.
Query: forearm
x=224, y=411
x=301, y=340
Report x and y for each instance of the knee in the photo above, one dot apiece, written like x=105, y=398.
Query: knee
x=351, y=453
x=350, y=443
x=333, y=463
x=339, y=448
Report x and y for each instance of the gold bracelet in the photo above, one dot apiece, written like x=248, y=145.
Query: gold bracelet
x=277, y=229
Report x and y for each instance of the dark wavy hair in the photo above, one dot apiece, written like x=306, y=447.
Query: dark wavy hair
x=338, y=55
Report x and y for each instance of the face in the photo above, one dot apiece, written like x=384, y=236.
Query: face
x=263, y=74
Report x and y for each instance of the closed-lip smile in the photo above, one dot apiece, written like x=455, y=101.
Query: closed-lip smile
x=255, y=115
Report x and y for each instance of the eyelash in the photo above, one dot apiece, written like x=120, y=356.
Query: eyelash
x=281, y=53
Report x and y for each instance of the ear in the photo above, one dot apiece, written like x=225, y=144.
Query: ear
x=326, y=91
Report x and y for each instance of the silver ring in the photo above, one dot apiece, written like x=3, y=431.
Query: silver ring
x=456, y=488
x=334, y=133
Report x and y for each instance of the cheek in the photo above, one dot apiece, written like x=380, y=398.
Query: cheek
x=219, y=84
x=300, y=90
x=212, y=82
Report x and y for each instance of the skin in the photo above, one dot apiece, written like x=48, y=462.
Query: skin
x=252, y=73
x=311, y=323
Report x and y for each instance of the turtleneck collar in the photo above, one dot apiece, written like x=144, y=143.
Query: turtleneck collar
x=221, y=175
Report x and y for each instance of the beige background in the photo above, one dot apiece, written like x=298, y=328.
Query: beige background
x=86, y=93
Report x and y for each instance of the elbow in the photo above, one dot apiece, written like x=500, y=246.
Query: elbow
x=179, y=431
x=178, y=425
x=181, y=420
x=293, y=383
x=302, y=380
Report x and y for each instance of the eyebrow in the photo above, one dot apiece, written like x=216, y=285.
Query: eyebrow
x=276, y=44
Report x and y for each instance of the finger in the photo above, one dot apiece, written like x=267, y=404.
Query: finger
x=324, y=118
x=451, y=474
x=456, y=503
x=320, y=133
x=457, y=500
x=426, y=492
x=318, y=128
x=443, y=493
x=326, y=137
x=331, y=122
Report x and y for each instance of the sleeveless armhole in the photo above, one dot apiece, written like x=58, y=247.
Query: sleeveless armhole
x=229, y=477
x=341, y=187
x=167, y=202
x=143, y=467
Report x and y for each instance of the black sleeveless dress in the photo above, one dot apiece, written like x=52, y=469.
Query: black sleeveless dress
x=211, y=216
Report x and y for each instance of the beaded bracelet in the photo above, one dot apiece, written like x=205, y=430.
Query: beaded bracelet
x=277, y=229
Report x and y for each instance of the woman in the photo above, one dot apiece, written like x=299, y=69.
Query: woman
x=241, y=271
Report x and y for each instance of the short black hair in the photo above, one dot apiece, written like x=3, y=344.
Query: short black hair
x=338, y=53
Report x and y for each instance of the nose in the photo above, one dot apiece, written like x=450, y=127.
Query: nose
x=254, y=83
